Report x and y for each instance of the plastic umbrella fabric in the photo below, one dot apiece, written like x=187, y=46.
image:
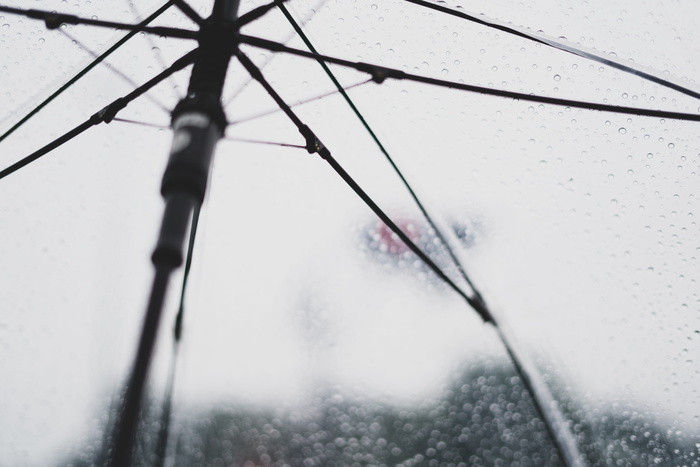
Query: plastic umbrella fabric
x=576, y=226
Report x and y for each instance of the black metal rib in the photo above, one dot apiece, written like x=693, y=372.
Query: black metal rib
x=559, y=46
x=240, y=88
x=92, y=121
x=257, y=13
x=184, y=7
x=103, y=116
x=438, y=232
x=554, y=422
x=315, y=145
x=85, y=70
x=562, y=440
x=54, y=20
x=379, y=74
x=257, y=75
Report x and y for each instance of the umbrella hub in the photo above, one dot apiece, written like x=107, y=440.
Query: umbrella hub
x=217, y=43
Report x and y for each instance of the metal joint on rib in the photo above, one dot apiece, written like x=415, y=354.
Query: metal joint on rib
x=53, y=20
x=479, y=305
x=107, y=114
x=379, y=74
x=313, y=144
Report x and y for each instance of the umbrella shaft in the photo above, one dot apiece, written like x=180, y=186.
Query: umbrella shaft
x=199, y=122
x=173, y=231
x=131, y=406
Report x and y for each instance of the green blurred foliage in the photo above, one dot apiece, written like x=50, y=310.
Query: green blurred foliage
x=482, y=417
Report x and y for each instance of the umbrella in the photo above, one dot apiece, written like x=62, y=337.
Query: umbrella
x=575, y=225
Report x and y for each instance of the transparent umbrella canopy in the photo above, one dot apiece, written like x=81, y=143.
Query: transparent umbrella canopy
x=312, y=335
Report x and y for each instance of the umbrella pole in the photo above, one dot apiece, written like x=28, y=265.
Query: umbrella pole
x=198, y=123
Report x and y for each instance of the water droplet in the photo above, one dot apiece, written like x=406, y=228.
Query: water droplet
x=650, y=156
x=557, y=78
x=374, y=6
x=622, y=130
x=671, y=145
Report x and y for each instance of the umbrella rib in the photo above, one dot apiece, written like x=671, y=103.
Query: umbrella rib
x=552, y=417
x=438, y=232
x=257, y=13
x=563, y=442
x=380, y=74
x=185, y=7
x=269, y=58
x=105, y=115
x=565, y=447
x=85, y=70
x=54, y=20
x=314, y=145
x=559, y=46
